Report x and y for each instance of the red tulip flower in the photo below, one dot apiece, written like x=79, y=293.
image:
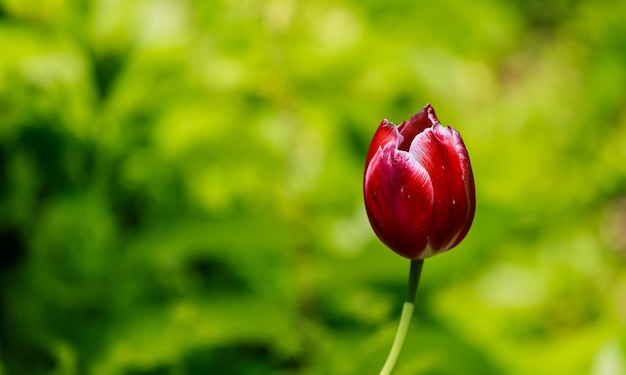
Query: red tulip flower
x=418, y=186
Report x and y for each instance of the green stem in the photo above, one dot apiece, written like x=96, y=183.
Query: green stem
x=405, y=318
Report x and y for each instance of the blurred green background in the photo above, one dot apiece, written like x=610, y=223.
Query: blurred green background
x=180, y=186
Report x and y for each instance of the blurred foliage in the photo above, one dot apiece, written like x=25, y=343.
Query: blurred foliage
x=180, y=186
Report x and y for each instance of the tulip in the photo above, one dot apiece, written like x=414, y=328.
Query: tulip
x=418, y=186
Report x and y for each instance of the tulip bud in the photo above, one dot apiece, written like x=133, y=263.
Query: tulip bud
x=418, y=186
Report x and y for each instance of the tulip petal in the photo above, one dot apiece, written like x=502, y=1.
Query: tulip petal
x=470, y=188
x=385, y=134
x=399, y=200
x=417, y=124
x=442, y=153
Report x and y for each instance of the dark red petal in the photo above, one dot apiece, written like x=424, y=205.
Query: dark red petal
x=417, y=124
x=470, y=189
x=447, y=163
x=385, y=134
x=399, y=201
